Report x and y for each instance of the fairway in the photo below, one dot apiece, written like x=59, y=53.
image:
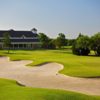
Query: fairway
x=46, y=76
x=76, y=66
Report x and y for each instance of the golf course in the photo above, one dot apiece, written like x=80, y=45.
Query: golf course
x=81, y=67
x=76, y=66
x=49, y=49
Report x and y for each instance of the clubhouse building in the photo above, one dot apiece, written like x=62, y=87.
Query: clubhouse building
x=21, y=39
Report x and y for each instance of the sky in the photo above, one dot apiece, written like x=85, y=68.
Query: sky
x=51, y=17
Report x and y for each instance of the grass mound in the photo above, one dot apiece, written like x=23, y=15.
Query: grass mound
x=10, y=90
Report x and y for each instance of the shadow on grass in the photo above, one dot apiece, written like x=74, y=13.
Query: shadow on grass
x=92, y=77
x=42, y=63
x=19, y=84
x=63, y=51
x=93, y=56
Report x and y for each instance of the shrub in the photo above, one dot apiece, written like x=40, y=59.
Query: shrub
x=81, y=45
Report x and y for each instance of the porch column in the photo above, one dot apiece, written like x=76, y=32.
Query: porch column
x=32, y=46
x=26, y=46
x=13, y=46
x=23, y=46
x=18, y=46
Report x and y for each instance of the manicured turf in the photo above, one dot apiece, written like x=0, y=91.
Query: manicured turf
x=10, y=90
x=77, y=66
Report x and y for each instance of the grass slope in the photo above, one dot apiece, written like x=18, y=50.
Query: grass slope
x=77, y=66
x=9, y=90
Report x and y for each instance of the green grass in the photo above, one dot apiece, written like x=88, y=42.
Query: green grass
x=77, y=66
x=10, y=90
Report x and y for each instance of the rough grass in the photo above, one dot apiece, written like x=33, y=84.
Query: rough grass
x=77, y=66
x=10, y=90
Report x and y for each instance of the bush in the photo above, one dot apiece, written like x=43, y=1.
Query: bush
x=81, y=45
x=98, y=51
x=51, y=45
x=84, y=51
x=95, y=43
x=81, y=51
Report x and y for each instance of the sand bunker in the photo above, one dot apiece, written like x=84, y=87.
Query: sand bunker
x=46, y=76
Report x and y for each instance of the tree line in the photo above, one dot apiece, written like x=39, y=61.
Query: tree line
x=48, y=43
x=82, y=45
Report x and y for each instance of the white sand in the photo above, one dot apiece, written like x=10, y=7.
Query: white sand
x=47, y=76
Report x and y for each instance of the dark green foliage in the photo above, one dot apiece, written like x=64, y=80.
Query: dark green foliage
x=44, y=40
x=60, y=40
x=70, y=42
x=81, y=51
x=47, y=43
x=83, y=42
x=81, y=45
x=95, y=43
x=63, y=39
x=98, y=51
x=51, y=44
x=6, y=41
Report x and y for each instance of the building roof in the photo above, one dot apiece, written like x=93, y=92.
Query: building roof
x=14, y=33
x=20, y=36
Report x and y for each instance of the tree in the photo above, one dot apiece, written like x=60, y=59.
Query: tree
x=51, y=44
x=44, y=40
x=83, y=42
x=95, y=43
x=80, y=34
x=6, y=41
x=70, y=42
x=60, y=41
x=81, y=45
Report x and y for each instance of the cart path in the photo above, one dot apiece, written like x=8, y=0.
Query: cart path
x=46, y=76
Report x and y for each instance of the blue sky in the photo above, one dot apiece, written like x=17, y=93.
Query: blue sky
x=51, y=16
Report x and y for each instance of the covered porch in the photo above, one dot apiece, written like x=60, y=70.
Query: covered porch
x=24, y=46
x=16, y=46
